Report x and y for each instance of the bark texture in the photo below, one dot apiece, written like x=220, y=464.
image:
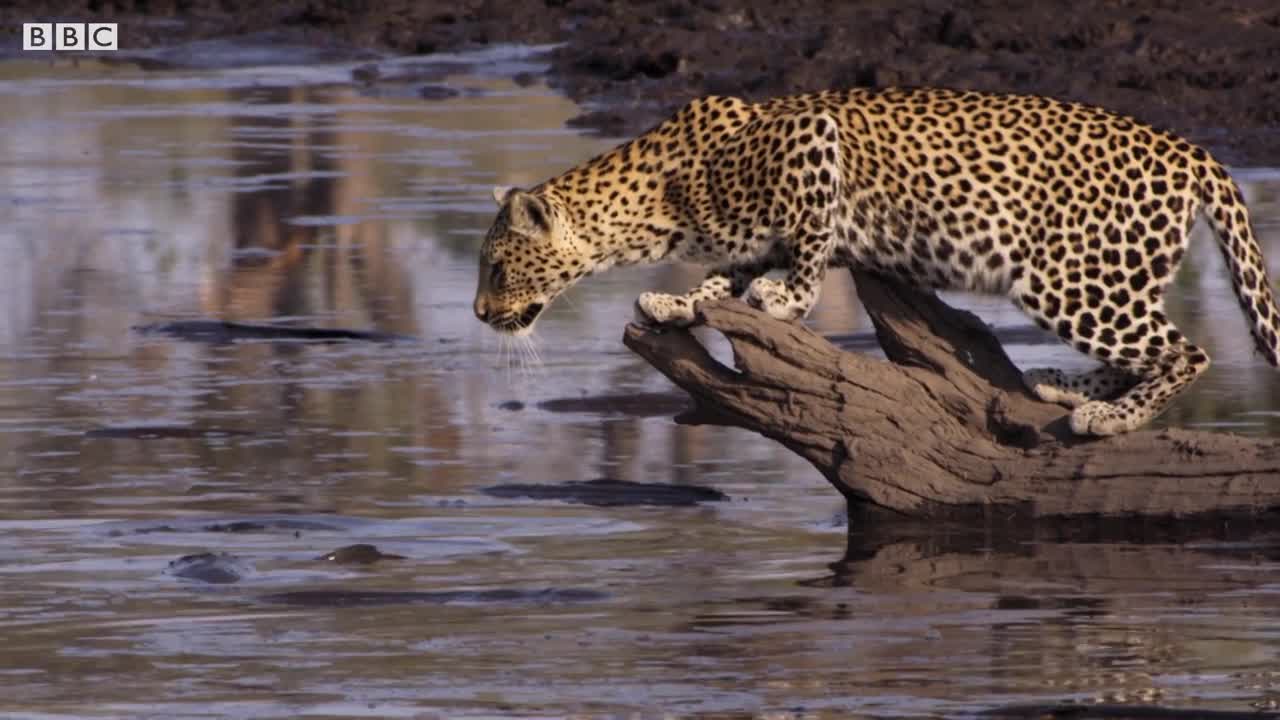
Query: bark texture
x=945, y=429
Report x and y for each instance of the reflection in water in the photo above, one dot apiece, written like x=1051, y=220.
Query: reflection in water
x=133, y=199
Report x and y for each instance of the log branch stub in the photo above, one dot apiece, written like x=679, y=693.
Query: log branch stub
x=945, y=428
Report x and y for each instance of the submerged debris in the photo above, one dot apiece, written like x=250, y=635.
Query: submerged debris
x=207, y=567
x=223, y=331
x=153, y=432
x=293, y=525
x=358, y=554
x=640, y=404
x=366, y=598
x=606, y=492
x=1117, y=712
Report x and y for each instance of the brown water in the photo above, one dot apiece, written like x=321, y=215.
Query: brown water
x=293, y=194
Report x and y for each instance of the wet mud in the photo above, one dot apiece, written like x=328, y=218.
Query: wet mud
x=1210, y=70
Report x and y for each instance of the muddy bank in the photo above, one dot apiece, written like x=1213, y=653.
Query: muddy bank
x=1199, y=69
x=1209, y=70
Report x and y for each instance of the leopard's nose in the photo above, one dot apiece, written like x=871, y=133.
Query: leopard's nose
x=482, y=309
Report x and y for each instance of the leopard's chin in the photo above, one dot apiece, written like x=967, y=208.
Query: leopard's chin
x=518, y=325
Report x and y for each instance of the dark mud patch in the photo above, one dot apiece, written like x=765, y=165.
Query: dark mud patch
x=358, y=554
x=630, y=404
x=222, y=331
x=611, y=493
x=160, y=432
x=430, y=72
x=438, y=92
x=280, y=525
x=212, y=568
x=375, y=598
x=267, y=526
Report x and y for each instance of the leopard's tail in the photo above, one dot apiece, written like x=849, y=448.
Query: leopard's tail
x=1223, y=206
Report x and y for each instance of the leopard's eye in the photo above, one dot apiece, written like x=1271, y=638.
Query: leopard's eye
x=495, y=274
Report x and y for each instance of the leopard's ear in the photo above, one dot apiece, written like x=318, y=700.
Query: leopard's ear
x=529, y=213
x=500, y=193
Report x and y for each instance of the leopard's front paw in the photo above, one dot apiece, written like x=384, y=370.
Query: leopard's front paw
x=663, y=309
x=775, y=298
x=1099, y=417
x=1051, y=386
x=1056, y=386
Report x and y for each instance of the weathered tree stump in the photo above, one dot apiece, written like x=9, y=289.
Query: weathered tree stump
x=945, y=429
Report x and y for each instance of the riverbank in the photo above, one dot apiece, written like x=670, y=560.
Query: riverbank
x=1209, y=71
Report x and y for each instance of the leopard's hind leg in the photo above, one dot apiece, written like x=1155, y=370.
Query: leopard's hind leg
x=1166, y=369
x=1146, y=359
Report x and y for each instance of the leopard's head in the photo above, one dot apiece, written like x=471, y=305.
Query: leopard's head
x=529, y=256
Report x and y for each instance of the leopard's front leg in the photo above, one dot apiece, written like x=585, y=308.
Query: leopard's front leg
x=678, y=310
x=808, y=190
x=791, y=196
x=794, y=297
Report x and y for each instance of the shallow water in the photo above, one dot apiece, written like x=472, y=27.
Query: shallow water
x=294, y=193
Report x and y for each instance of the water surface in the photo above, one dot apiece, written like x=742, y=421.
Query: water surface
x=301, y=194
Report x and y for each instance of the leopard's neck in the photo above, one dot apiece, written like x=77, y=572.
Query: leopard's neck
x=616, y=205
x=640, y=202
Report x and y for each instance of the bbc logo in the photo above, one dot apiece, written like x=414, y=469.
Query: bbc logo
x=69, y=36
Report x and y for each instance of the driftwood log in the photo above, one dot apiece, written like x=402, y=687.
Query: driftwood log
x=945, y=428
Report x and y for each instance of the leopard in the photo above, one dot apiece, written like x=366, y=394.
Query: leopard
x=1079, y=215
